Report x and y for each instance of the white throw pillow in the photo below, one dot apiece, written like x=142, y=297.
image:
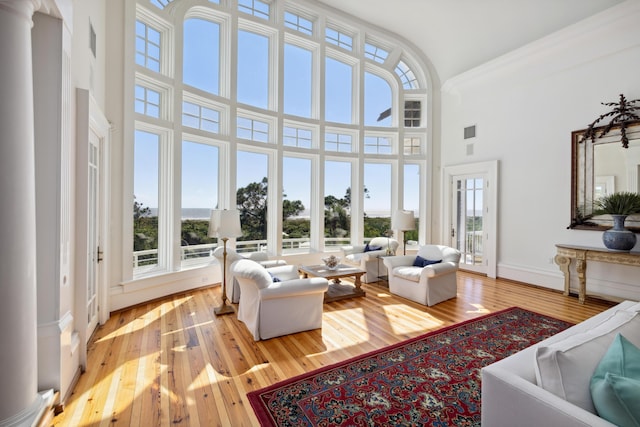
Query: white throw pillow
x=565, y=367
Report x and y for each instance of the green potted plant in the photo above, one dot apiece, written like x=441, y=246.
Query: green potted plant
x=619, y=205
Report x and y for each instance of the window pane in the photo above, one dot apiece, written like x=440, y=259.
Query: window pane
x=252, y=172
x=339, y=39
x=199, y=117
x=412, y=197
x=412, y=145
x=297, y=80
x=298, y=23
x=296, y=137
x=296, y=179
x=253, y=69
x=253, y=130
x=377, y=199
x=412, y=113
x=377, y=101
x=199, y=196
x=338, y=91
x=147, y=101
x=338, y=142
x=337, y=203
x=145, y=203
x=201, y=49
x=375, y=53
x=407, y=77
x=256, y=8
x=377, y=145
x=147, y=46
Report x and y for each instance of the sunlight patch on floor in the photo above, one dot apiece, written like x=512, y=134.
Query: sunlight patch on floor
x=479, y=309
x=416, y=322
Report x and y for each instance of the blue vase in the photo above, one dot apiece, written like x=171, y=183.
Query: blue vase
x=619, y=238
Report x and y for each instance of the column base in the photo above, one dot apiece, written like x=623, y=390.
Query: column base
x=36, y=414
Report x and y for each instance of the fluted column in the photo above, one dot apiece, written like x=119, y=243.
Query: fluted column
x=19, y=401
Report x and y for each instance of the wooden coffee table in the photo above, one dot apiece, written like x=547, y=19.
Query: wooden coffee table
x=337, y=289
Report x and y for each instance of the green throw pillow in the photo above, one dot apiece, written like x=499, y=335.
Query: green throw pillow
x=615, y=385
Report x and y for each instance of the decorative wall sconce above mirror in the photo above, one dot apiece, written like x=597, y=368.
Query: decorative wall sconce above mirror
x=601, y=166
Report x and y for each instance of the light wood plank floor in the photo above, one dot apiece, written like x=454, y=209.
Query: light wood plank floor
x=172, y=362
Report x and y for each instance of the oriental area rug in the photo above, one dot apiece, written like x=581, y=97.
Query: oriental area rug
x=430, y=380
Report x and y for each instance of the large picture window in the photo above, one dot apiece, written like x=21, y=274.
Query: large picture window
x=275, y=108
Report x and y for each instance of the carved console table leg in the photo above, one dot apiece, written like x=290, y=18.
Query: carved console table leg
x=564, y=262
x=581, y=269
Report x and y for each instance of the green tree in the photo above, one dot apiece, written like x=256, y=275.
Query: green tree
x=145, y=227
x=252, y=204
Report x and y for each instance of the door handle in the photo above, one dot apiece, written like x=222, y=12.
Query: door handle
x=100, y=253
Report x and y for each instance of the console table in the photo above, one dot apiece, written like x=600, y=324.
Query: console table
x=582, y=254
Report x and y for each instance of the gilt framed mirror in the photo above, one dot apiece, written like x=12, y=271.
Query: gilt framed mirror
x=600, y=167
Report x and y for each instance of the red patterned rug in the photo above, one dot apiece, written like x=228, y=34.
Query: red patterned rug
x=431, y=380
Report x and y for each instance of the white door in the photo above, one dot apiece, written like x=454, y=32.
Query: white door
x=94, y=255
x=467, y=232
x=470, y=207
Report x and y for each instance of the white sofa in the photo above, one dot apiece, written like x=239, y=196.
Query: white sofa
x=271, y=309
x=427, y=285
x=368, y=261
x=512, y=396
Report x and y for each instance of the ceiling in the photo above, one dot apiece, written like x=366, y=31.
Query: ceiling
x=457, y=35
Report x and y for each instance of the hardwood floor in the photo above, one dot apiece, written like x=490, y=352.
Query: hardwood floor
x=172, y=362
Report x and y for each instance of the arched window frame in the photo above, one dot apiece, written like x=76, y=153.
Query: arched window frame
x=230, y=20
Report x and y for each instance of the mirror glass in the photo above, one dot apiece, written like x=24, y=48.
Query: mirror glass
x=603, y=167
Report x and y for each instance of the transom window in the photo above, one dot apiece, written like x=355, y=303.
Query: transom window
x=298, y=23
x=339, y=38
x=377, y=145
x=256, y=8
x=147, y=46
x=254, y=130
x=200, y=117
x=407, y=77
x=338, y=142
x=284, y=110
x=147, y=101
x=375, y=53
x=297, y=137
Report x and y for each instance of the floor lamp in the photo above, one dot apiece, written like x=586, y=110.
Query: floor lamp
x=223, y=225
x=403, y=221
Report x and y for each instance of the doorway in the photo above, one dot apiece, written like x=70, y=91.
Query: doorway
x=92, y=200
x=470, y=215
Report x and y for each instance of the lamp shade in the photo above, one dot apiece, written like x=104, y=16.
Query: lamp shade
x=225, y=223
x=403, y=220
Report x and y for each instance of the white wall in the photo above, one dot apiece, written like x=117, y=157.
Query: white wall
x=525, y=105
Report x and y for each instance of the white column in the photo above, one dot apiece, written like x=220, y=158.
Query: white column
x=20, y=400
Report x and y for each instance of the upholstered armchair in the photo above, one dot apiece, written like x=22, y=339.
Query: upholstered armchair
x=426, y=278
x=262, y=258
x=366, y=256
x=233, y=289
x=275, y=301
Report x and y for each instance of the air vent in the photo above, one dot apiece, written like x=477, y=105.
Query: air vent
x=470, y=132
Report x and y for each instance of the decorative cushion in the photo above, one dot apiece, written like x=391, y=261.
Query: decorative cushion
x=274, y=278
x=368, y=248
x=430, y=252
x=422, y=262
x=565, y=367
x=615, y=385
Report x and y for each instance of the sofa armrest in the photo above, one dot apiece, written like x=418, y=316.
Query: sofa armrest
x=371, y=255
x=509, y=400
x=439, y=269
x=296, y=287
x=353, y=249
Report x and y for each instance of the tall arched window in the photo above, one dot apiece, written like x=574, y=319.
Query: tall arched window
x=309, y=122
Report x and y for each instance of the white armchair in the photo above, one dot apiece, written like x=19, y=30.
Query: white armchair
x=429, y=284
x=366, y=259
x=233, y=289
x=271, y=309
